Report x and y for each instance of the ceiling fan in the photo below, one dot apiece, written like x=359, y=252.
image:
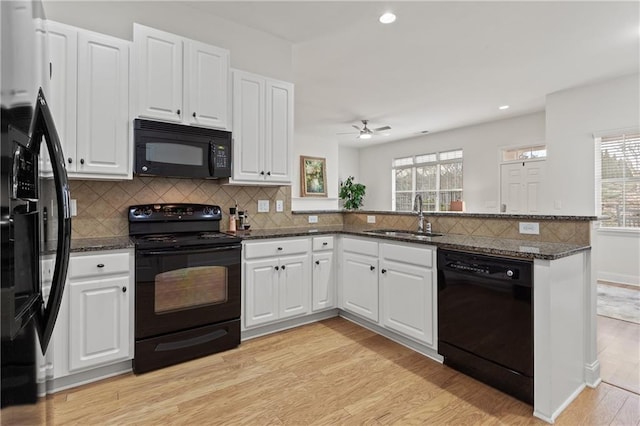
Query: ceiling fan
x=367, y=133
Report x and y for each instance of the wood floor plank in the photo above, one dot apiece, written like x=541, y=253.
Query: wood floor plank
x=328, y=373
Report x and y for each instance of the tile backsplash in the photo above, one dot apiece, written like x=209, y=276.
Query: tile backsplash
x=103, y=205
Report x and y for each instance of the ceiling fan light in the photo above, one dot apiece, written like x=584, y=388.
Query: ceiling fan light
x=364, y=136
x=387, y=18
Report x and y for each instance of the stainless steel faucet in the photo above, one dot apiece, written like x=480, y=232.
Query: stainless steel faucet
x=417, y=206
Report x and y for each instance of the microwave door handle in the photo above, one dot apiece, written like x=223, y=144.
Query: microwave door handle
x=43, y=125
x=211, y=158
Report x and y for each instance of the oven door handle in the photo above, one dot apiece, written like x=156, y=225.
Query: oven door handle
x=189, y=251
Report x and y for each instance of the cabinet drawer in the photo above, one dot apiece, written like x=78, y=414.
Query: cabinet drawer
x=420, y=256
x=369, y=248
x=98, y=265
x=322, y=243
x=275, y=248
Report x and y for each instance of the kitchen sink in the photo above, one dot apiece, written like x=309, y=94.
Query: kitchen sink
x=403, y=233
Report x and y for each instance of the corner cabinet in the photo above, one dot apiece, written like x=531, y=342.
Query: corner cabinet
x=90, y=101
x=262, y=130
x=180, y=80
x=95, y=325
x=277, y=280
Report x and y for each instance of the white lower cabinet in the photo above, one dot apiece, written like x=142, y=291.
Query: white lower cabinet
x=324, y=277
x=95, y=324
x=360, y=277
x=408, y=290
x=277, y=280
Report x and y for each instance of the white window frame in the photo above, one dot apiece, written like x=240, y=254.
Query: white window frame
x=413, y=164
x=599, y=181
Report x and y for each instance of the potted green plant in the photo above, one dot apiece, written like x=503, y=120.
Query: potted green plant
x=352, y=193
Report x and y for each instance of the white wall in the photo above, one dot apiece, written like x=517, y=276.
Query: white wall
x=251, y=50
x=618, y=256
x=481, y=145
x=572, y=117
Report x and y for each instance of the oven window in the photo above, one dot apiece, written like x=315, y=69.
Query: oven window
x=174, y=153
x=190, y=287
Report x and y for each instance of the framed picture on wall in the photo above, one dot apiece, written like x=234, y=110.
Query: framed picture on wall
x=313, y=177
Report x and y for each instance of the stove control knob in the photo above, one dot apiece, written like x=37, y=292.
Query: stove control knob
x=208, y=211
x=145, y=168
x=216, y=210
x=147, y=211
x=137, y=212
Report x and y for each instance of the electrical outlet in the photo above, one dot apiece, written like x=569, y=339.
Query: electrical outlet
x=530, y=228
x=313, y=219
x=263, y=206
x=73, y=206
x=279, y=206
x=371, y=219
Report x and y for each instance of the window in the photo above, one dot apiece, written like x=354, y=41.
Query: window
x=524, y=153
x=618, y=180
x=436, y=176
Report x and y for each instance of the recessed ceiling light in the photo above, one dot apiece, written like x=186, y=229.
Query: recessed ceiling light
x=387, y=18
x=503, y=107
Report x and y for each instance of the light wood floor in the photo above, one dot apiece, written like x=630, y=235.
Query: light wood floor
x=619, y=353
x=331, y=372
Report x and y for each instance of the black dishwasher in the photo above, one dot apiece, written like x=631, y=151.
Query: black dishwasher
x=485, y=319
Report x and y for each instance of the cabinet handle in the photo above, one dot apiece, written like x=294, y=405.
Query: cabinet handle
x=283, y=267
x=325, y=243
x=372, y=267
x=277, y=268
x=194, y=114
x=100, y=265
x=124, y=289
x=279, y=248
x=317, y=262
x=70, y=160
x=82, y=161
x=178, y=112
x=384, y=271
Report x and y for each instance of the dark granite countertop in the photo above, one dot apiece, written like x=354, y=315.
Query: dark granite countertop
x=95, y=244
x=487, y=245
x=457, y=214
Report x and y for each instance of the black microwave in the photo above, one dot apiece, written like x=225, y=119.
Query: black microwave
x=176, y=150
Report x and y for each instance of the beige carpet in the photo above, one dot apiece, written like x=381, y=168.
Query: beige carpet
x=617, y=302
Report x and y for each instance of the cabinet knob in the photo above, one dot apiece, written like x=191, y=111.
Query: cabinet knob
x=325, y=243
x=70, y=160
x=268, y=173
x=262, y=173
x=279, y=248
x=124, y=289
x=277, y=268
x=283, y=267
x=82, y=161
x=317, y=262
x=100, y=265
x=194, y=114
x=372, y=268
x=178, y=112
x=384, y=271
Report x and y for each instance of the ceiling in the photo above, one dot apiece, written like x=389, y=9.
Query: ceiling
x=441, y=65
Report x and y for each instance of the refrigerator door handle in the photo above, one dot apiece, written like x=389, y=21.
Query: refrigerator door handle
x=43, y=126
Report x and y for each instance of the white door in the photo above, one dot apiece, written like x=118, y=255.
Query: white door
x=520, y=187
x=206, y=78
x=323, y=281
x=159, y=73
x=261, y=288
x=248, y=127
x=360, y=285
x=98, y=322
x=279, y=131
x=295, y=284
x=407, y=299
x=63, y=54
x=103, y=105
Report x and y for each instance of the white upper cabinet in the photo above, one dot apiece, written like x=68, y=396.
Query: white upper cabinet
x=180, y=80
x=103, y=97
x=263, y=129
x=90, y=101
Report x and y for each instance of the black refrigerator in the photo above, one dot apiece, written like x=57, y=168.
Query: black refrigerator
x=35, y=213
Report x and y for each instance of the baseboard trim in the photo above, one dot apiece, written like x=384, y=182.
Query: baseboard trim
x=592, y=374
x=561, y=408
x=632, y=280
x=254, y=332
x=89, y=376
